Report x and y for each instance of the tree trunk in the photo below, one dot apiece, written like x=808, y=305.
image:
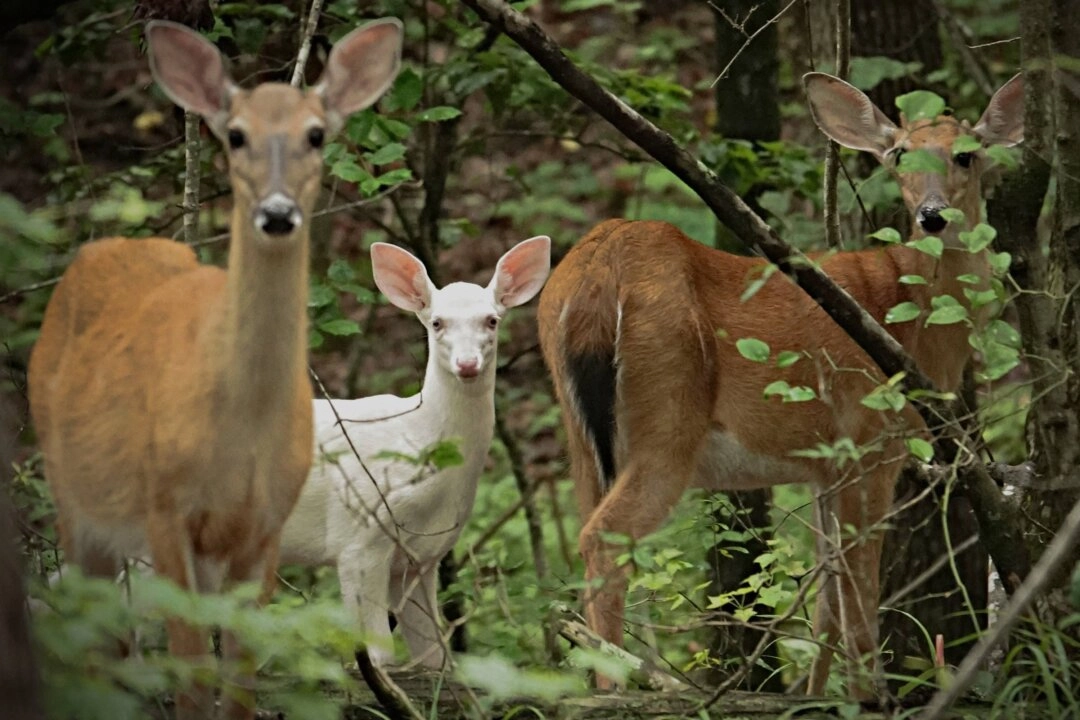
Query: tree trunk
x=747, y=108
x=1054, y=424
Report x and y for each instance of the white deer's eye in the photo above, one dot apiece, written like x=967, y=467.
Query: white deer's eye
x=436, y=324
x=493, y=322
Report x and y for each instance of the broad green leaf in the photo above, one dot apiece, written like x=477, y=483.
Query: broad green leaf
x=438, y=114
x=966, y=144
x=979, y=298
x=947, y=315
x=788, y=393
x=320, y=296
x=753, y=349
x=920, y=105
x=920, y=448
x=787, y=358
x=406, y=93
x=387, y=153
x=866, y=73
x=1000, y=262
x=903, y=312
x=340, y=326
x=886, y=234
x=921, y=161
x=1004, y=156
x=930, y=245
x=340, y=272
x=349, y=171
x=756, y=284
x=969, y=279
x=953, y=215
x=978, y=238
x=912, y=280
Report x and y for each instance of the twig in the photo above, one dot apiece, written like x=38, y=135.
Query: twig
x=386, y=691
x=192, y=143
x=1056, y=553
x=832, y=150
x=305, y=42
x=743, y=47
x=641, y=670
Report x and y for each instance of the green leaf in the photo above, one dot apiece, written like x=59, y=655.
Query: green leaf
x=978, y=238
x=1004, y=156
x=340, y=326
x=930, y=245
x=920, y=449
x=866, y=73
x=395, y=176
x=438, y=114
x=340, y=272
x=886, y=234
x=386, y=154
x=920, y=161
x=787, y=358
x=903, y=312
x=320, y=296
x=1000, y=262
x=966, y=144
x=946, y=311
x=920, y=105
x=349, y=171
x=756, y=284
x=912, y=280
x=969, y=279
x=406, y=93
x=753, y=349
x=953, y=215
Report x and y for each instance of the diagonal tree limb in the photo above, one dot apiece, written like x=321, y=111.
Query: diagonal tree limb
x=996, y=517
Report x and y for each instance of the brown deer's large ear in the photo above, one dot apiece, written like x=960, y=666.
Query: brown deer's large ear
x=361, y=67
x=190, y=70
x=847, y=116
x=1002, y=123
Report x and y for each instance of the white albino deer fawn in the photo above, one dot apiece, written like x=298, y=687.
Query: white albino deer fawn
x=638, y=326
x=171, y=399
x=387, y=531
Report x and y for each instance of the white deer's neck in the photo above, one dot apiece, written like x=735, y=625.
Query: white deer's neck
x=264, y=328
x=465, y=409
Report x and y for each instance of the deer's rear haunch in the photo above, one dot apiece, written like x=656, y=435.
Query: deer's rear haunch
x=171, y=399
x=639, y=324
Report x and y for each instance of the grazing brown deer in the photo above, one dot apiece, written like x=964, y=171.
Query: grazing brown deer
x=171, y=399
x=638, y=326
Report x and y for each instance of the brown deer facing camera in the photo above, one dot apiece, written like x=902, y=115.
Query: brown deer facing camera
x=638, y=326
x=171, y=399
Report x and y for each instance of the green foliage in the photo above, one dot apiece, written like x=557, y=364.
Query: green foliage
x=299, y=647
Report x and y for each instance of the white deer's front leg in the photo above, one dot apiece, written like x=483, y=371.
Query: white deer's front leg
x=364, y=574
x=417, y=612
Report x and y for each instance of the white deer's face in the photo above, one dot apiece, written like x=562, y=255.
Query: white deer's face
x=463, y=324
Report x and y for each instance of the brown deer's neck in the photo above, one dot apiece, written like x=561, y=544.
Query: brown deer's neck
x=264, y=328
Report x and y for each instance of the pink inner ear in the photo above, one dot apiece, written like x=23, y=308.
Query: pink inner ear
x=400, y=276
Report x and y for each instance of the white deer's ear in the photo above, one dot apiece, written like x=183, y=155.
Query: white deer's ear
x=847, y=116
x=190, y=70
x=401, y=277
x=1002, y=122
x=361, y=67
x=521, y=272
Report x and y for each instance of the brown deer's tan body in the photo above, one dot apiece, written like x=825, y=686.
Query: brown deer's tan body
x=638, y=325
x=171, y=399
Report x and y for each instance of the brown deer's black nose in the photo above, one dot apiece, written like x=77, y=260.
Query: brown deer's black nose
x=930, y=219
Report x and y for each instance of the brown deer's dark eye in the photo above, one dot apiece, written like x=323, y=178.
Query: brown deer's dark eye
x=236, y=139
x=964, y=159
x=316, y=136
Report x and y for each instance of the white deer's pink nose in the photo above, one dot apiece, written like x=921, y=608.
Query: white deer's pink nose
x=468, y=368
